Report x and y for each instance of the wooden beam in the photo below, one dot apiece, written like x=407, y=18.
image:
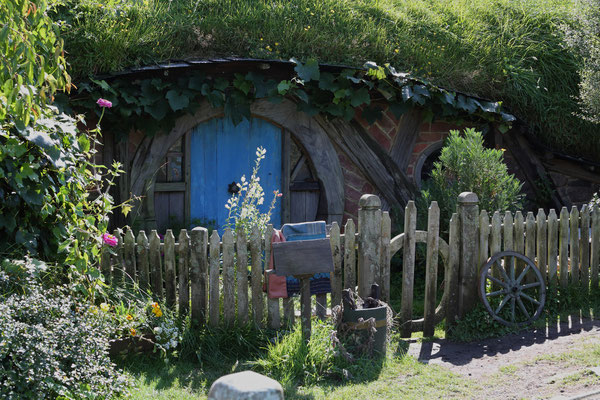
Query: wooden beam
x=405, y=138
x=169, y=186
x=391, y=182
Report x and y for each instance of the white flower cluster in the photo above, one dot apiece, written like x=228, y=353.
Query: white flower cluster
x=167, y=335
x=243, y=206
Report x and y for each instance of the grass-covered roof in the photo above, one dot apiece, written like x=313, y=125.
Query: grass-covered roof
x=506, y=50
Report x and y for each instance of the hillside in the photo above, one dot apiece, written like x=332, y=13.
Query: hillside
x=498, y=49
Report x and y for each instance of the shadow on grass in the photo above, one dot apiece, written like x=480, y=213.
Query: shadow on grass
x=207, y=355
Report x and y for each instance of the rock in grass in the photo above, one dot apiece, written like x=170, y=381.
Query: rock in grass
x=245, y=385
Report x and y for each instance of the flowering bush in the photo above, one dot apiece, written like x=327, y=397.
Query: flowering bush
x=53, y=346
x=243, y=206
x=135, y=315
x=110, y=240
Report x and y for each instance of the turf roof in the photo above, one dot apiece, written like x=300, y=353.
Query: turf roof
x=499, y=49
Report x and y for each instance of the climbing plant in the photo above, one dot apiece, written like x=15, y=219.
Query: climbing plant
x=154, y=104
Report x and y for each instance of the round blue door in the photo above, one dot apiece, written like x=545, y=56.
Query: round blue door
x=220, y=153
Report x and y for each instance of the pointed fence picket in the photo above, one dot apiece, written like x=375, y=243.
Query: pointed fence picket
x=219, y=280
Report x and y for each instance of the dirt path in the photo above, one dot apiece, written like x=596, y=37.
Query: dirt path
x=542, y=364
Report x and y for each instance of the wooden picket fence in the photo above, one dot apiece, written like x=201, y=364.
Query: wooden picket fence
x=219, y=280
x=565, y=247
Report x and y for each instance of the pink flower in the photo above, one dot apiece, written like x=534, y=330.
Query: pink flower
x=279, y=194
x=110, y=239
x=104, y=103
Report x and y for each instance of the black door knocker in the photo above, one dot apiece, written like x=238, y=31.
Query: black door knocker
x=233, y=188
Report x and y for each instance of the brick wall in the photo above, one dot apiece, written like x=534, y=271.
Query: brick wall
x=430, y=134
x=384, y=132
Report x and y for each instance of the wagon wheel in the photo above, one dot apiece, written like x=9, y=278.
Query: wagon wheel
x=501, y=284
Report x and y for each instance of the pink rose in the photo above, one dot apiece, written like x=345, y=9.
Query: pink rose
x=110, y=239
x=104, y=103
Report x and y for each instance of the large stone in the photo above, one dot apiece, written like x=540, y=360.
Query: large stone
x=245, y=385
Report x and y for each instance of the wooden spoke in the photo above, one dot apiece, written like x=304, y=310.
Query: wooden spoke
x=497, y=281
x=530, y=285
x=512, y=309
x=523, y=274
x=496, y=293
x=504, y=301
x=522, y=307
x=503, y=272
x=531, y=299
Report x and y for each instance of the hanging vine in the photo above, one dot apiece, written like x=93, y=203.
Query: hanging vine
x=153, y=105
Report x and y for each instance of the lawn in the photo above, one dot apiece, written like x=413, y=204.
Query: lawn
x=398, y=376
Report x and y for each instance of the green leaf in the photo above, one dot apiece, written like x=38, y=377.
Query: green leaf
x=308, y=71
x=262, y=87
x=84, y=143
x=465, y=103
x=157, y=110
x=177, y=100
x=337, y=110
x=507, y=117
x=360, y=97
x=283, y=87
x=372, y=114
x=327, y=82
x=349, y=113
x=503, y=128
x=103, y=85
x=40, y=138
x=341, y=93
x=448, y=97
x=407, y=92
x=196, y=82
x=386, y=93
x=242, y=84
x=489, y=106
x=399, y=108
x=421, y=90
x=221, y=84
x=301, y=94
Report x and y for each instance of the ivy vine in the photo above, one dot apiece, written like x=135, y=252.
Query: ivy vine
x=154, y=104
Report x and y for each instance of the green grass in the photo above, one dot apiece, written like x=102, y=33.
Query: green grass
x=397, y=376
x=499, y=49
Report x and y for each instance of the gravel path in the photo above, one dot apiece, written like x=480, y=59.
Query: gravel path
x=507, y=367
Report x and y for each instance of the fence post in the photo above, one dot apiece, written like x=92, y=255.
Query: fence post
x=386, y=236
x=336, y=282
x=595, y=248
x=156, y=265
x=198, y=267
x=369, y=229
x=129, y=254
x=451, y=274
x=408, y=269
x=170, y=284
x=468, y=211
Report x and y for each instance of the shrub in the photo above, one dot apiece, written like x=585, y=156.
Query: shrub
x=52, y=346
x=466, y=165
x=584, y=37
x=54, y=203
